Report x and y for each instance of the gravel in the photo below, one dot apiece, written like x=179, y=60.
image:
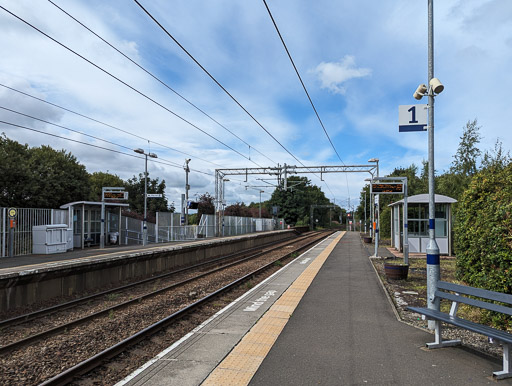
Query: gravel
x=48, y=357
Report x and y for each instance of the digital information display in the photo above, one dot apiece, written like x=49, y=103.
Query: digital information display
x=389, y=188
x=115, y=195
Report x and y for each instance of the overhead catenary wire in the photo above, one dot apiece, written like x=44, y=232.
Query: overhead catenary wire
x=216, y=81
x=107, y=124
x=303, y=85
x=159, y=80
x=127, y=85
x=223, y=88
x=96, y=146
x=81, y=132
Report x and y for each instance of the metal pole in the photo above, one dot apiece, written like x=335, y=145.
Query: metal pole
x=187, y=187
x=102, y=226
x=406, y=238
x=260, y=203
x=433, y=268
x=365, y=212
x=145, y=226
x=377, y=215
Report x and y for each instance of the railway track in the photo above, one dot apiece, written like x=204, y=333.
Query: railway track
x=109, y=331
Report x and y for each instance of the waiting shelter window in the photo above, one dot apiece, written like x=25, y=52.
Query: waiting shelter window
x=418, y=220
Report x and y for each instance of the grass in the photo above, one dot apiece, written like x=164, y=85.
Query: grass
x=112, y=297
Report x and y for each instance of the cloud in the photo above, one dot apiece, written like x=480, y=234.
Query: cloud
x=333, y=75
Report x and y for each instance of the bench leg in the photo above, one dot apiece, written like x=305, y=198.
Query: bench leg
x=439, y=340
x=505, y=373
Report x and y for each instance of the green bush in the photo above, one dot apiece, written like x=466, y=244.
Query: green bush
x=483, y=232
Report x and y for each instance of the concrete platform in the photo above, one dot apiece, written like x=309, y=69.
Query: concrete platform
x=342, y=331
x=25, y=280
x=191, y=360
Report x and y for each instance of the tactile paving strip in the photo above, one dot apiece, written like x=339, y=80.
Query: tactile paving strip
x=243, y=361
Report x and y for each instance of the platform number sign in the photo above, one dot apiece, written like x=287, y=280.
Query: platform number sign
x=412, y=118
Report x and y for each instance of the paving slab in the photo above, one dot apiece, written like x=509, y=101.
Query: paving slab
x=191, y=360
x=344, y=332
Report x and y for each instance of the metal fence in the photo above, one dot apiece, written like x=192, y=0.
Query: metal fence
x=25, y=219
x=166, y=229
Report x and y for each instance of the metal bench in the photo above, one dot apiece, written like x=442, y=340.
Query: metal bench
x=464, y=294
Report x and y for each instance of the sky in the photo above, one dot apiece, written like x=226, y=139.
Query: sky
x=358, y=60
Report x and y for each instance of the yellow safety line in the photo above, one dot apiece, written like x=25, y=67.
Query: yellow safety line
x=243, y=361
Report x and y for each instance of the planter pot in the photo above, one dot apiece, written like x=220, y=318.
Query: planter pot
x=367, y=239
x=396, y=271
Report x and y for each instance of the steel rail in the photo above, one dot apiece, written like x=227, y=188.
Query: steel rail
x=61, y=307
x=90, y=364
x=63, y=327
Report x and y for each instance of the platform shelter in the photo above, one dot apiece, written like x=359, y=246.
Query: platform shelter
x=418, y=223
x=85, y=216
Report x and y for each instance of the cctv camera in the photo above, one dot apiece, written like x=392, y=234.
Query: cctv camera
x=436, y=85
x=420, y=91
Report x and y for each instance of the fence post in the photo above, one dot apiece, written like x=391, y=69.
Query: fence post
x=156, y=228
x=3, y=232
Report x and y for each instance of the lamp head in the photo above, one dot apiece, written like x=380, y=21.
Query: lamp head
x=152, y=155
x=420, y=91
x=436, y=85
x=373, y=160
x=139, y=150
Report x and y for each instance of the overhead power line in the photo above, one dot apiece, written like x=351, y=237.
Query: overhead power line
x=127, y=85
x=106, y=124
x=301, y=82
x=215, y=80
x=303, y=85
x=96, y=146
x=158, y=79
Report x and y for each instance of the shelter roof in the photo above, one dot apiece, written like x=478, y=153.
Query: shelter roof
x=93, y=203
x=423, y=199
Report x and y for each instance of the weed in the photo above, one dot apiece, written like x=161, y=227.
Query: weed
x=278, y=263
x=249, y=284
x=112, y=297
x=111, y=314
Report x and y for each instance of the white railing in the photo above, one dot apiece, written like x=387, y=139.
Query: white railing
x=25, y=219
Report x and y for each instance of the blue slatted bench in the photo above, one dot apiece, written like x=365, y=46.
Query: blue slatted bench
x=464, y=294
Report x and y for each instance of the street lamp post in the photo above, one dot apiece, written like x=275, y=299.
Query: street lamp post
x=187, y=188
x=370, y=180
x=376, y=213
x=145, y=225
x=261, y=191
x=365, y=212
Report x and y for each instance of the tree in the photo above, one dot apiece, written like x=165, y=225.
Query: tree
x=15, y=172
x=238, y=209
x=465, y=160
x=254, y=208
x=296, y=201
x=135, y=188
x=483, y=231
x=58, y=178
x=39, y=177
x=496, y=158
x=205, y=205
x=100, y=180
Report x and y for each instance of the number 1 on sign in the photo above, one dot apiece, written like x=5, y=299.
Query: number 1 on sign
x=412, y=110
